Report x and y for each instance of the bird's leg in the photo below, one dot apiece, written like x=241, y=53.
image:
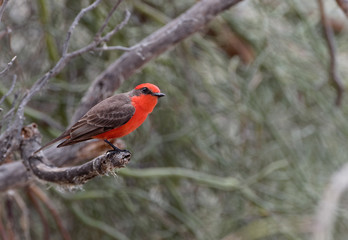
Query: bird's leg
x=116, y=149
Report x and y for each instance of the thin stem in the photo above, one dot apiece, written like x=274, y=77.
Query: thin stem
x=333, y=74
x=2, y=8
x=108, y=19
x=74, y=24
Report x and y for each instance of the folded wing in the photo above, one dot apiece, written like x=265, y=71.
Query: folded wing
x=111, y=113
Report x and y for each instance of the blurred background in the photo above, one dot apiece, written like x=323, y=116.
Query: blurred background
x=242, y=146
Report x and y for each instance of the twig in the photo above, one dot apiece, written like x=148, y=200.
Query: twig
x=9, y=218
x=117, y=28
x=96, y=41
x=24, y=219
x=13, y=175
x=343, y=5
x=333, y=74
x=34, y=190
x=9, y=65
x=100, y=31
x=113, y=48
x=151, y=12
x=2, y=8
x=5, y=32
x=74, y=24
x=10, y=90
x=2, y=230
x=223, y=183
x=46, y=230
x=327, y=208
x=228, y=183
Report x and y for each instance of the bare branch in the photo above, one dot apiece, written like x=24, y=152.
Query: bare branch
x=107, y=19
x=24, y=219
x=13, y=175
x=35, y=202
x=74, y=24
x=9, y=65
x=2, y=230
x=78, y=175
x=10, y=222
x=327, y=208
x=117, y=28
x=333, y=74
x=16, y=175
x=2, y=8
x=113, y=48
x=97, y=41
x=10, y=90
x=343, y=5
x=5, y=32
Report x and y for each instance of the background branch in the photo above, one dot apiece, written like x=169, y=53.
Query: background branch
x=343, y=4
x=14, y=79
x=333, y=73
x=8, y=66
x=2, y=8
x=24, y=219
x=39, y=210
x=98, y=40
x=107, y=19
x=327, y=208
x=75, y=23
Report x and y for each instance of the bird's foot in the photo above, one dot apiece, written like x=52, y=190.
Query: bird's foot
x=116, y=149
x=124, y=154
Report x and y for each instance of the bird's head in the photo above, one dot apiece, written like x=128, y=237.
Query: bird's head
x=149, y=89
x=146, y=96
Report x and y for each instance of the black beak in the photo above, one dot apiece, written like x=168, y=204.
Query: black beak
x=158, y=94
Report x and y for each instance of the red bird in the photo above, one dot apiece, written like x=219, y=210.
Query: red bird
x=113, y=117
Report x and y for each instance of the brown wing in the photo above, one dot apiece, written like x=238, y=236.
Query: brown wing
x=110, y=113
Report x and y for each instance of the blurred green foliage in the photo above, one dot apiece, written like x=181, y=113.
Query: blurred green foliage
x=234, y=151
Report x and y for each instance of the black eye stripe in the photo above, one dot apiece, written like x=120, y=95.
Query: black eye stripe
x=145, y=90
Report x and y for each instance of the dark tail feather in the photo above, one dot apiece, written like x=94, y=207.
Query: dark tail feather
x=63, y=136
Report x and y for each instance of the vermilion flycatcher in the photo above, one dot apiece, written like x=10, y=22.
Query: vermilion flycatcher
x=113, y=117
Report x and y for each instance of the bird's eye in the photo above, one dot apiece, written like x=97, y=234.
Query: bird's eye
x=145, y=90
